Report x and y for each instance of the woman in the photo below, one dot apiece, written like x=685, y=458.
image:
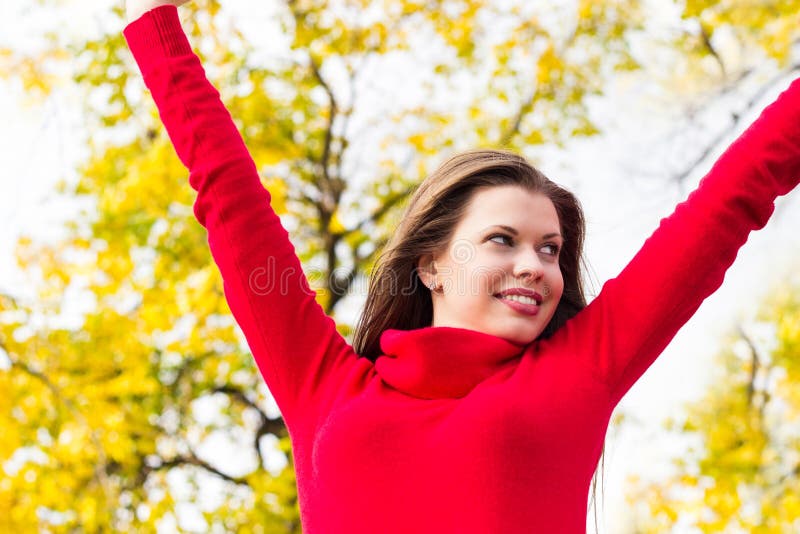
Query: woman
x=477, y=402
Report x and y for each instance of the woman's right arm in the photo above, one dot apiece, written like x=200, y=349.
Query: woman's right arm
x=296, y=345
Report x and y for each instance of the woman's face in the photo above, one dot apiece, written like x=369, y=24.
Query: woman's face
x=508, y=241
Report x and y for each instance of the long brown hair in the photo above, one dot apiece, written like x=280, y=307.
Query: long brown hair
x=398, y=299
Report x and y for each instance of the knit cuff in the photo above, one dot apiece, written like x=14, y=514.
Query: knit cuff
x=157, y=33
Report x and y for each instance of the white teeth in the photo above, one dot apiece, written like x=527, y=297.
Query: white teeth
x=519, y=298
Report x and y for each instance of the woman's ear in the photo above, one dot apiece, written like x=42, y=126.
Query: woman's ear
x=426, y=270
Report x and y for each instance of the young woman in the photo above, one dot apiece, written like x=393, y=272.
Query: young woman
x=479, y=389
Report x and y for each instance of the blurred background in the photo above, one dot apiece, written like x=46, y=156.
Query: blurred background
x=129, y=398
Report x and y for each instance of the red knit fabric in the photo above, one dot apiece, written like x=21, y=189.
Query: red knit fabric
x=451, y=430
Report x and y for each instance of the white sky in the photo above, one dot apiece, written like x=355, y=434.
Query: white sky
x=38, y=148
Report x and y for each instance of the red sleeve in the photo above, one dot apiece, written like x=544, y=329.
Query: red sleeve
x=637, y=313
x=295, y=345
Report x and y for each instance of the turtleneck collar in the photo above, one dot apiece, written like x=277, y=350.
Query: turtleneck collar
x=441, y=362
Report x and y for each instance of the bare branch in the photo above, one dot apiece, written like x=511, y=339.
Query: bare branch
x=334, y=108
x=346, y=115
x=347, y=281
x=342, y=284
x=755, y=363
x=707, y=43
x=190, y=459
x=276, y=427
x=379, y=213
x=737, y=117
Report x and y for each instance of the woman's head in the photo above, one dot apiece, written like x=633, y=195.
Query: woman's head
x=457, y=236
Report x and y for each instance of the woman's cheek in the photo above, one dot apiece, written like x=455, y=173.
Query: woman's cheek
x=556, y=286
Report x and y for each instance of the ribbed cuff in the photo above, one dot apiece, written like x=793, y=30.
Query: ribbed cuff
x=156, y=33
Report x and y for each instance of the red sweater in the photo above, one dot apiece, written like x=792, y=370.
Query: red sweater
x=451, y=430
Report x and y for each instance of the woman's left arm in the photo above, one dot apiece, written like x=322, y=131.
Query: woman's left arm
x=637, y=313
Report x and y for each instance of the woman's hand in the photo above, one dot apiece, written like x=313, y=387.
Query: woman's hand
x=137, y=8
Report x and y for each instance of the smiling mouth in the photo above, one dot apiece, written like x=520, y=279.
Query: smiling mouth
x=521, y=299
x=521, y=304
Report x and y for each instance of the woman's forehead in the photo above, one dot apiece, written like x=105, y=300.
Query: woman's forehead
x=510, y=206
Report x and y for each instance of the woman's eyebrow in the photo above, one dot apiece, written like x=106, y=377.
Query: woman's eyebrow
x=514, y=231
x=504, y=227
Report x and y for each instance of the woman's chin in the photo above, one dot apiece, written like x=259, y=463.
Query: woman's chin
x=519, y=336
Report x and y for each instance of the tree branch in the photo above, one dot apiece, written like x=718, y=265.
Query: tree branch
x=755, y=363
x=523, y=110
x=737, y=117
x=334, y=108
x=707, y=43
x=385, y=207
x=190, y=459
x=276, y=427
x=341, y=285
x=358, y=263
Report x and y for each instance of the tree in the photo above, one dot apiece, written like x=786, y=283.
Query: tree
x=742, y=469
x=106, y=415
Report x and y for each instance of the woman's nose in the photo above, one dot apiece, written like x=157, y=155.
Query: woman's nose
x=528, y=265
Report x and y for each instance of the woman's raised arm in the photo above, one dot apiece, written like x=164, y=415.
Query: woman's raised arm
x=637, y=313
x=296, y=346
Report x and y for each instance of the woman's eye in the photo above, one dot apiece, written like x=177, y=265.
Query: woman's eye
x=550, y=249
x=509, y=240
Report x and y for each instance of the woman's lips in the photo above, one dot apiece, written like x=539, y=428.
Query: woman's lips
x=525, y=309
